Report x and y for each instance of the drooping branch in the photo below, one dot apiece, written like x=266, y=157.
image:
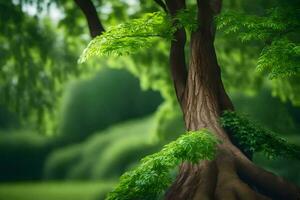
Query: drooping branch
x=89, y=10
x=177, y=55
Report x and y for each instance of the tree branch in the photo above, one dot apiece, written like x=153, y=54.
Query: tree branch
x=89, y=10
x=162, y=4
x=177, y=55
x=207, y=9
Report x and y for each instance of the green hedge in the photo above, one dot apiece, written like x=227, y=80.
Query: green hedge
x=105, y=154
x=22, y=155
x=110, y=97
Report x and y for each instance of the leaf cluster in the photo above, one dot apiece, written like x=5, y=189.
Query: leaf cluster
x=131, y=36
x=152, y=176
x=136, y=34
x=252, y=138
x=277, y=29
x=281, y=58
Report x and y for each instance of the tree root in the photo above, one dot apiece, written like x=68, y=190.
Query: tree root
x=231, y=176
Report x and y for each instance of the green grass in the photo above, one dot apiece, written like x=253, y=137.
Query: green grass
x=54, y=190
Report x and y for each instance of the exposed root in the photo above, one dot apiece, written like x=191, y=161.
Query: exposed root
x=220, y=179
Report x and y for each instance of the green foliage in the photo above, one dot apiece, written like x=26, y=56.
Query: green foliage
x=151, y=67
x=287, y=89
x=7, y=119
x=271, y=112
x=60, y=161
x=129, y=37
x=276, y=31
x=35, y=59
x=237, y=62
x=136, y=34
x=253, y=138
x=169, y=122
x=281, y=58
x=152, y=177
x=254, y=27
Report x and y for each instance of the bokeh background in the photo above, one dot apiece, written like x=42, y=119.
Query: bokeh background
x=69, y=130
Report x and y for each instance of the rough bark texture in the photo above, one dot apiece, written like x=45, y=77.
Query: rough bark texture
x=202, y=98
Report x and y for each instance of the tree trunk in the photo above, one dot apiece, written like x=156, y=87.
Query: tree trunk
x=231, y=175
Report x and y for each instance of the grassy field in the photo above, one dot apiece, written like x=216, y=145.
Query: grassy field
x=54, y=190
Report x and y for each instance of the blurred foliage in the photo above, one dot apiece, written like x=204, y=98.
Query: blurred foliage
x=284, y=167
x=108, y=154
x=90, y=106
x=22, y=155
x=34, y=60
x=275, y=115
x=169, y=122
x=276, y=30
x=128, y=142
x=122, y=153
x=7, y=120
x=35, y=74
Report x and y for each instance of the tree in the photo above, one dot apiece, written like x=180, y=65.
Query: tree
x=202, y=98
x=198, y=86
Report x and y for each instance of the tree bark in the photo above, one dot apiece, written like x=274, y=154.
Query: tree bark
x=231, y=175
x=177, y=55
x=95, y=26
